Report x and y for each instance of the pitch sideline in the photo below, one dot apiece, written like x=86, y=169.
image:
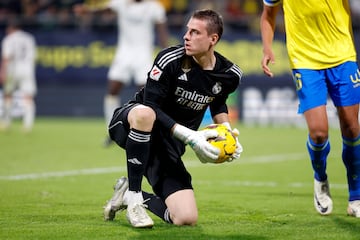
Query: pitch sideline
x=188, y=163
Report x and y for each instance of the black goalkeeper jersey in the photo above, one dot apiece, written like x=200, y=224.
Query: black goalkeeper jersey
x=180, y=91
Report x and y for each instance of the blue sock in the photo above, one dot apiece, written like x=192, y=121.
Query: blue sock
x=318, y=155
x=351, y=159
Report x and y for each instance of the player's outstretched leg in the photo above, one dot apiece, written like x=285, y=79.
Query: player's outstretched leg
x=136, y=210
x=322, y=198
x=116, y=203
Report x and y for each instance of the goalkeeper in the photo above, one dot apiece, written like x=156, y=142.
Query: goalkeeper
x=163, y=117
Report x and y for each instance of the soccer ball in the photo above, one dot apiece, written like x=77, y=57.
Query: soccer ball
x=225, y=142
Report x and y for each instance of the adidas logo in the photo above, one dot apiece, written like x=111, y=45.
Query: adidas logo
x=183, y=77
x=134, y=161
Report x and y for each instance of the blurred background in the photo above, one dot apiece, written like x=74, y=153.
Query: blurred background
x=74, y=54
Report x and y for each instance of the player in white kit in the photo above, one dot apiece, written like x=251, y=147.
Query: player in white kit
x=17, y=72
x=138, y=21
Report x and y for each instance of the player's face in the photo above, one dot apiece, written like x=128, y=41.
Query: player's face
x=197, y=41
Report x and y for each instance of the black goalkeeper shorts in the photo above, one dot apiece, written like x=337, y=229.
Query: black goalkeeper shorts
x=165, y=171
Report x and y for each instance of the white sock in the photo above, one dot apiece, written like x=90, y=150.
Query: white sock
x=110, y=104
x=132, y=198
x=29, y=114
x=7, y=112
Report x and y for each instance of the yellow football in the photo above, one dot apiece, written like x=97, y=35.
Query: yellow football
x=225, y=142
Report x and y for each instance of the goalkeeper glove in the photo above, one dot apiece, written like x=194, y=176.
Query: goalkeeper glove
x=197, y=140
x=239, y=148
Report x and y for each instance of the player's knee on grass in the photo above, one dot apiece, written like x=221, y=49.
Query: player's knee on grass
x=184, y=217
x=182, y=207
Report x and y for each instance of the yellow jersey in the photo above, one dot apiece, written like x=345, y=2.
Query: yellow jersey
x=318, y=32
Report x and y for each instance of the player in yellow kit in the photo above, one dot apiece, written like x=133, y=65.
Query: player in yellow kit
x=322, y=56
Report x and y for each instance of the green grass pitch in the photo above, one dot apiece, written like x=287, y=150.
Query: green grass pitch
x=55, y=181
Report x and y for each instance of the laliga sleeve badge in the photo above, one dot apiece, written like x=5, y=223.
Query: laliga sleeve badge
x=155, y=73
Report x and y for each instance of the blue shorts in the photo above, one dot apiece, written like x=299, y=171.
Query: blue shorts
x=341, y=83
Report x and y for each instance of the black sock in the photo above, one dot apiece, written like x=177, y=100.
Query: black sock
x=157, y=206
x=137, y=153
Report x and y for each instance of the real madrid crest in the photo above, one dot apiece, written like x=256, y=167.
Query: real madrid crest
x=217, y=88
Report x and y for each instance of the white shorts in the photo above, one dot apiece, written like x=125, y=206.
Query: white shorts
x=130, y=65
x=24, y=82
